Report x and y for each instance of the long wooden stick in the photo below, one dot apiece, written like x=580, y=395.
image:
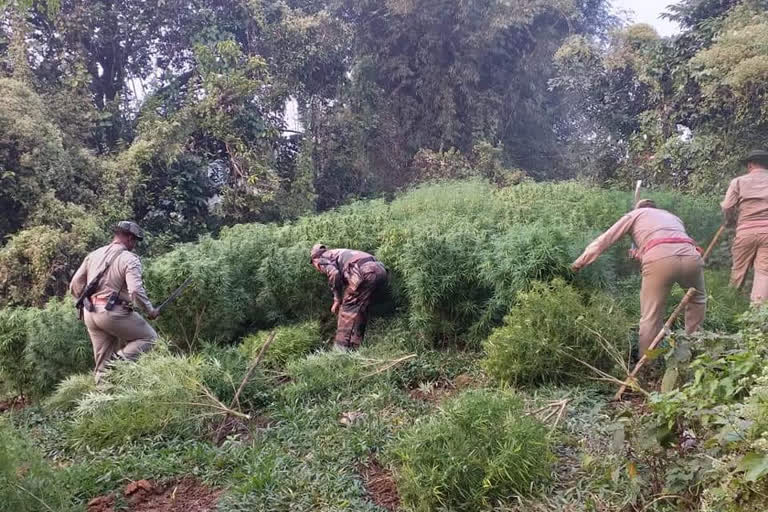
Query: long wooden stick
x=713, y=243
x=659, y=337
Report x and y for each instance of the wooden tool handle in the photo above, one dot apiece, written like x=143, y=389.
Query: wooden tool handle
x=660, y=336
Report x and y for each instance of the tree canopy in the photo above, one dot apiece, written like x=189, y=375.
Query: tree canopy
x=174, y=113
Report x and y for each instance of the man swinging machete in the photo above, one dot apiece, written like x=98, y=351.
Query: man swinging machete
x=108, y=286
x=354, y=278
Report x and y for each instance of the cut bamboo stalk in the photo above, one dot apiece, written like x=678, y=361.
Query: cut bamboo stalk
x=659, y=337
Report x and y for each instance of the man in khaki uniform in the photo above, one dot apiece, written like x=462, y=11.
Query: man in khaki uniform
x=118, y=326
x=668, y=256
x=746, y=207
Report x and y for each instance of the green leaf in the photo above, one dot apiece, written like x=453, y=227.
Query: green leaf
x=755, y=465
x=669, y=382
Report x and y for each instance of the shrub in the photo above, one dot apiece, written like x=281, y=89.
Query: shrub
x=26, y=480
x=70, y=391
x=479, y=449
x=15, y=372
x=57, y=344
x=223, y=372
x=458, y=254
x=290, y=343
x=551, y=325
x=39, y=347
x=159, y=394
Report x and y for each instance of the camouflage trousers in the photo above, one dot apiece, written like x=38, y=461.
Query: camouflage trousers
x=353, y=313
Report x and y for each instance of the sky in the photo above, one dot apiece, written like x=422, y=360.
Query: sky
x=648, y=11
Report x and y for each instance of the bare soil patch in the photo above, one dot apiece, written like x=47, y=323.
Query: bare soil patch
x=13, y=404
x=184, y=495
x=380, y=485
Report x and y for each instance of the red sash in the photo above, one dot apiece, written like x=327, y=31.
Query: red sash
x=672, y=240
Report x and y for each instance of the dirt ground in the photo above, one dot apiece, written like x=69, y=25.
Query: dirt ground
x=13, y=404
x=380, y=485
x=185, y=495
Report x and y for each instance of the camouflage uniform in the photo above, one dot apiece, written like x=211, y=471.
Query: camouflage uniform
x=121, y=332
x=354, y=278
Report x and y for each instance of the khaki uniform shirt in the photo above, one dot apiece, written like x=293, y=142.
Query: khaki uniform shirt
x=644, y=225
x=746, y=202
x=123, y=275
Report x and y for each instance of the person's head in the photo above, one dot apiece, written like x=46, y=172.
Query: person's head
x=757, y=159
x=645, y=203
x=128, y=233
x=316, y=253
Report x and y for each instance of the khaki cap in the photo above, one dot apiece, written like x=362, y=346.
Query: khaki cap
x=131, y=228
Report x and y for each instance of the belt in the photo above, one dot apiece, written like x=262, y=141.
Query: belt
x=671, y=240
x=363, y=261
x=102, y=301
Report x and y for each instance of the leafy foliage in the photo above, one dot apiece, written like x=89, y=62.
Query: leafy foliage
x=290, y=343
x=478, y=449
x=458, y=254
x=161, y=393
x=552, y=327
x=27, y=482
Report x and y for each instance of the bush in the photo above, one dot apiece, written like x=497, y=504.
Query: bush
x=26, y=480
x=458, y=254
x=15, y=372
x=290, y=343
x=70, y=391
x=479, y=449
x=159, y=394
x=57, y=344
x=224, y=370
x=551, y=325
x=40, y=347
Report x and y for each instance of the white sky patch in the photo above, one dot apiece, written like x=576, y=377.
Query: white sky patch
x=649, y=11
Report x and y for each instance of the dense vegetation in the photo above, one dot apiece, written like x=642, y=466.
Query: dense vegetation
x=475, y=148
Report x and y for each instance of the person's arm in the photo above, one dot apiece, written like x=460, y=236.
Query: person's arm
x=79, y=280
x=134, y=283
x=730, y=204
x=604, y=241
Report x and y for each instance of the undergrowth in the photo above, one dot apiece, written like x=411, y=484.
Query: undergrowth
x=477, y=450
x=552, y=331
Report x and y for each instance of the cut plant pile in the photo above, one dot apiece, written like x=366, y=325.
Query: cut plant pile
x=183, y=495
x=380, y=485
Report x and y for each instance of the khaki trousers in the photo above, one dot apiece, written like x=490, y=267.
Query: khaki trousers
x=751, y=249
x=658, y=278
x=111, y=330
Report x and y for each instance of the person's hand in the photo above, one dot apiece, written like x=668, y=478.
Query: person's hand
x=634, y=254
x=335, y=307
x=575, y=267
x=152, y=315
